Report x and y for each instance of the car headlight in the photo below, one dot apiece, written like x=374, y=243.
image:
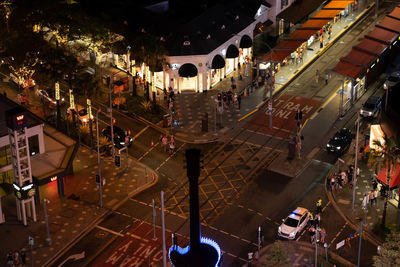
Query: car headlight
x=293, y=233
x=328, y=145
x=338, y=147
x=369, y=113
x=62, y=99
x=279, y=229
x=122, y=143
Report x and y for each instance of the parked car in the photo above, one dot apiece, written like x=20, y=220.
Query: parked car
x=371, y=107
x=393, y=81
x=340, y=142
x=294, y=223
x=48, y=95
x=81, y=114
x=119, y=136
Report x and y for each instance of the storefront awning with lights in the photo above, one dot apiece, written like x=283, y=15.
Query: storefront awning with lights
x=315, y=24
x=301, y=34
x=299, y=10
x=382, y=35
x=326, y=14
x=245, y=42
x=390, y=24
x=359, y=58
x=218, y=62
x=394, y=176
x=276, y=55
x=188, y=70
x=337, y=5
x=232, y=52
x=348, y=70
x=372, y=47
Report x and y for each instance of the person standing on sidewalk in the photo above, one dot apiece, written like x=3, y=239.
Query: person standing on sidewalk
x=326, y=78
x=165, y=143
x=323, y=235
x=371, y=197
x=239, y=99
x=376, y=196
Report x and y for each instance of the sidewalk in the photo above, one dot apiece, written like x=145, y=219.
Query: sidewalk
x=303, y=254
x=71, y=216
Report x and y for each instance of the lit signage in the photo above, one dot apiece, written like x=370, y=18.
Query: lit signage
x=89, y=104
x=57, y=87
x=25, y=191
x=71, y=100
x=54, y=178
x=20, y=117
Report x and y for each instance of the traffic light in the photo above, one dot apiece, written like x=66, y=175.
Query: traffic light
x=97, y=179
x=117, y=161
x=299, y=115
x=219, y=96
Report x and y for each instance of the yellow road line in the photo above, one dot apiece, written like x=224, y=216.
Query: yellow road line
x=248, y=114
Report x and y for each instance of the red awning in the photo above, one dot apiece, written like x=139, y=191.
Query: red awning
x=390, y=24
x=288, y=45
x=395, y=13
x=337, y=4
x=347, y=69
x=382, y=35
x=315, y=23
x=301, y=34
x=277, y=56
x=394, y=176
x=371, y=46
x=326, y=14
x=359, y=58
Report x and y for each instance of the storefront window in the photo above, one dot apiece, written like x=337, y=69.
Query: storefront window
x=159, y=79
x=33, y=145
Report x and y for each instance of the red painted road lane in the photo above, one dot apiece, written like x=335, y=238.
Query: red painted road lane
x=137, y=248
x=283, y=113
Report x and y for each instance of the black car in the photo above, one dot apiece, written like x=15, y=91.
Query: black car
x=119, y=136
x=340, y=142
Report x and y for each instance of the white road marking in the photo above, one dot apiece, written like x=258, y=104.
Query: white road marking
x=109, y=230
x=139, y=133
x=170, y=156
x=338, y=233
x=148, y=151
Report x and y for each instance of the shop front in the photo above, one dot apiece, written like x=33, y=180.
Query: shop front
x=245, y=49
x=232, y=54
x=188, y=80
x=217, y=69
x=393, y=194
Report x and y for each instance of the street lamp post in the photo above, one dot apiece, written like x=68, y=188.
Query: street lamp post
x=46, y=218
x=111, y=117
x=355, y=161
x=98, y=159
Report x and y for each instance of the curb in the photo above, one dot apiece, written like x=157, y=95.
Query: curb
x=308, y=245
x=367, y=235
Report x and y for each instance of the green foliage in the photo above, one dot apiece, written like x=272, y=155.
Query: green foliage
x=381, y=230
x=277, y=256
x=389, y=252
x=135, y=106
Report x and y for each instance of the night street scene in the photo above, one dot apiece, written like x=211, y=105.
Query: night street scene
x=199, y=133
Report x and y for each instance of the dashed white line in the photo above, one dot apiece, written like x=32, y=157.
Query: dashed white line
x=108, y=230
x=338, y=233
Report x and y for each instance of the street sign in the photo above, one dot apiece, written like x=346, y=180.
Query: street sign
x=71, y=100
x=89, y=104
x=270, y=105
x=57, y=87
x=340, y=244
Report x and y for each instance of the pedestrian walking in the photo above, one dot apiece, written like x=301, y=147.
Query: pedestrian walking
x=311, y=231
x=321, y=41
x=333, y=182
x=319, y=206
x=323, y=235
x=364, y=203
x=317, y=220
x=171, y=147
x=371, y=197
x=250, y=257
x=23, y=257
x=239, y=99
x=376, y=194
x=311, y=218
x=316, y=76
x=326, y=78
x=10, y=260
x=164, y=142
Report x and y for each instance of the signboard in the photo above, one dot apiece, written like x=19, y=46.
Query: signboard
x=71, y=100
x=269, y=105
x=57, y=88
x=89, y=104
x=340, y=244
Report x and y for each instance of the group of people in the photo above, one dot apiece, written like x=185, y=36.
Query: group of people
x=340, y=179
x=229, y=98
x=317, y=233
x=16, y=258
x=167, y=145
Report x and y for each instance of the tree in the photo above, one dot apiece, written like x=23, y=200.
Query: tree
x=277, y=256
x=6, y=9
x=385, y=154
x=389, y=253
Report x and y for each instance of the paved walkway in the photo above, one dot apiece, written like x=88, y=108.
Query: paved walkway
x=77, y=212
